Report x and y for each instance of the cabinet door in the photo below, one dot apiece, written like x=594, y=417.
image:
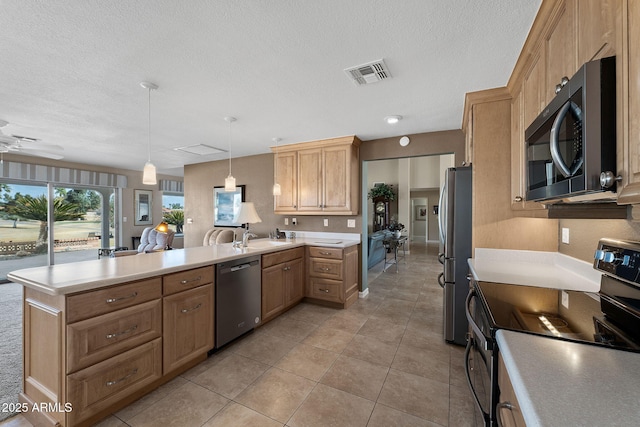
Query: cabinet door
x=560, y=47
x=518, y=162
x=533, y=90
x=294, y=283
x=310, y=180
x=596, y=29
x=188, y=326
x=336, y=166
x=273, y=291
x=632, y=149
x=286, y=165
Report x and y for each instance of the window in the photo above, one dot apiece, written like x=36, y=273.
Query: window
x=173, y=210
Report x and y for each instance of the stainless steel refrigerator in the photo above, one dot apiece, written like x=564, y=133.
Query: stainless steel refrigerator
x=454, y=219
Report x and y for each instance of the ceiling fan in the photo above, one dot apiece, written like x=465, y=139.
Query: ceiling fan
x=28, y=146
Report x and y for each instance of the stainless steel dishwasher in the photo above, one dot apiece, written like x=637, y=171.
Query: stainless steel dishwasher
x=238, y=298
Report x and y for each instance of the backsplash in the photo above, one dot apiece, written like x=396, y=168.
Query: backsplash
x=584, y=235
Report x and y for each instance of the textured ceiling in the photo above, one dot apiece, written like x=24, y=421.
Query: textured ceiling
x=70, y=71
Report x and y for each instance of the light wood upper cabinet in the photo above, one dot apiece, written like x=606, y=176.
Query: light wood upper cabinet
x=633, y=144
x=596, y=29
x=560, y=47
x=318, y=177
x=286, y=165
x=533, y=91
x=310, y=180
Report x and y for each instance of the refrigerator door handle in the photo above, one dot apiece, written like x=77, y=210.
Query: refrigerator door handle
x=442, y=214
x=441, y=280
x=441, y=258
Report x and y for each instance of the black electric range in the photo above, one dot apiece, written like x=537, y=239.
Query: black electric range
x=608, y=318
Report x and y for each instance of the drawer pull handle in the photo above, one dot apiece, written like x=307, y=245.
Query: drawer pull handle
x=325, y=290
x=126, y=331
x=184, y=282
x=112, y=300
x=187, y=310
x=114, y=382
x=325, y=253
x=325, y=269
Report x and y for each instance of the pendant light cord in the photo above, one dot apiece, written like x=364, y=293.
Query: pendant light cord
x=149, y=133
x=230, y=147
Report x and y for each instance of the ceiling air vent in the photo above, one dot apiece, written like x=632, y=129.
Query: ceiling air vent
x=200, y=149
x=368, y=73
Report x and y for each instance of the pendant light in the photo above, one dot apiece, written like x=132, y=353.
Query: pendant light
x=149, y=171
x=276, y=187
x=230, y=181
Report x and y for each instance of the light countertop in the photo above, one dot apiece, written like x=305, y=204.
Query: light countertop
x=561, y=383
x=534, y=268
x=61, y=279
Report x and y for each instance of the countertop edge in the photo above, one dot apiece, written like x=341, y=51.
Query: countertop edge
x=25, y=277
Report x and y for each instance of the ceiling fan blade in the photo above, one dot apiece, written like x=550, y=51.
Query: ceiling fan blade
x=41, y=146
x=38, y=153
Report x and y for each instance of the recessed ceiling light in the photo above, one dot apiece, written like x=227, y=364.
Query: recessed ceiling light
x=392, y=120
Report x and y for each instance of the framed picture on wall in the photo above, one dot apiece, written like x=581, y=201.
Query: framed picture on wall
x=226, y=205
x=142, y=205
x=421, y=212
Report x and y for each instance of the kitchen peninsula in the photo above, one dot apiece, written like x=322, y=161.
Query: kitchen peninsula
x=100, y=334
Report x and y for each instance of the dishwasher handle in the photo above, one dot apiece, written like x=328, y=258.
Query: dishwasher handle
x=239, y=267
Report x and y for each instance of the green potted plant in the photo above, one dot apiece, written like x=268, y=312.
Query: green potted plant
x=382, y=191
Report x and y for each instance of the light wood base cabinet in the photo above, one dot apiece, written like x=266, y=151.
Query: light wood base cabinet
x=188, y=326
x=89, y=354
x=282, y=281
x=332, y=275
x=508, y=411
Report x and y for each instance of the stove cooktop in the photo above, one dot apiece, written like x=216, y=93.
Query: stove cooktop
x=610, y=317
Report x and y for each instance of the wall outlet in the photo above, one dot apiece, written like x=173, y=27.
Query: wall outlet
x=351, y=223
x=565, y=299
x=294, y=221
x=325, y=222
x=124, y=219
x=286, y=221
x=565, y=235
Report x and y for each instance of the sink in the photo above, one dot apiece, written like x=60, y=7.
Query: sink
x=265, y=244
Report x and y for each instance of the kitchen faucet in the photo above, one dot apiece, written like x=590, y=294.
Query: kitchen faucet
x=245, y=237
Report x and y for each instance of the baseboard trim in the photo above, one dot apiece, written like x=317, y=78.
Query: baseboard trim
x=364, y=293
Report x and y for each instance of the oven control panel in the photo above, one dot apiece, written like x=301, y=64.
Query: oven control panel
x=619, y=258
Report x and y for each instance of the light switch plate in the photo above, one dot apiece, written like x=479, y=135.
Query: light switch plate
x=286, y=221
x=351, y=223
x=326, y=222
x=565, y=235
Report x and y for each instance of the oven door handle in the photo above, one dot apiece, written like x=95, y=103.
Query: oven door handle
x=474, y=326
x=467, y=371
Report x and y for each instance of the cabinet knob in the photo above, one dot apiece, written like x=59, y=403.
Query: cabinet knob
x=607, y=179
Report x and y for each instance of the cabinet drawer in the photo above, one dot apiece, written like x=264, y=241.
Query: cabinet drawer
x=282, y=256
x=325, y=289
x=106, y=300
x=326, y=268
x=318, y=252
x=93, y=340
x=94, y=389
x=189, y=279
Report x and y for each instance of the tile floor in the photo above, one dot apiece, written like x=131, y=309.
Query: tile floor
x=382, y=362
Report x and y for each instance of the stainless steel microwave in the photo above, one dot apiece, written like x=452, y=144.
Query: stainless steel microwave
x=571, y=145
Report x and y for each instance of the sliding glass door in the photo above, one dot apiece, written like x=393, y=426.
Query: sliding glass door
x=82, y=222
